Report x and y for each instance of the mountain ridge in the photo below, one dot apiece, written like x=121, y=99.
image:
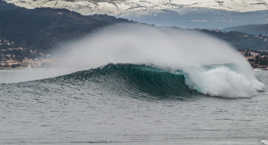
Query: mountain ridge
x=122, y=7
x=210, y=14
x=257, y=29
x=202, y=18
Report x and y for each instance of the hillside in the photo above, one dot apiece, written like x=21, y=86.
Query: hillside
x=261, y=29
x=41, y=29
x=201, y=18
x=241, y=41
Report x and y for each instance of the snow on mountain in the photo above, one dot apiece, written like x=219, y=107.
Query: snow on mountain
x=125, y=7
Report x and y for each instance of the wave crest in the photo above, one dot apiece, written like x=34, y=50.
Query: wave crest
x=220, y=80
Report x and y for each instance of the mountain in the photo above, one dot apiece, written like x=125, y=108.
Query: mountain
x=239, y=40
x=202, y=18
x=31, y=33
x=209, y=14
x=251, y=29
x=121, y=7
x=42, y=28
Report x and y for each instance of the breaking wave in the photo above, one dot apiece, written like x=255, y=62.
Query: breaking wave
x=208, y=66
x=159, y=61
x=213, y=80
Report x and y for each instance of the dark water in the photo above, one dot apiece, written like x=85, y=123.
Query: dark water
x=127, y=104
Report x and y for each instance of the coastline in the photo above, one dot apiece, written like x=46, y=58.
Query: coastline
x=41, y=63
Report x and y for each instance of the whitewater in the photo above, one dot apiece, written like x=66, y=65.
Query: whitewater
x=136, y=84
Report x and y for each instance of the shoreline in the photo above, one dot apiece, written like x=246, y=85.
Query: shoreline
x=257, y=60
x=20, y=67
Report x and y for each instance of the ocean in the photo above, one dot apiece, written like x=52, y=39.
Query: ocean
x=127, y=104
x=137, y=85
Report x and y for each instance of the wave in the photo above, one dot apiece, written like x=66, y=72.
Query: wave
x=161, y=61
x=136, y=79
x=213, y=80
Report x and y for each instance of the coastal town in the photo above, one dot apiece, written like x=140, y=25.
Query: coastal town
x=27, y=62
x=257, y=59
x=12, y=56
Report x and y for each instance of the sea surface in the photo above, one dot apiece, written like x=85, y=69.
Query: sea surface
x=127, y=105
